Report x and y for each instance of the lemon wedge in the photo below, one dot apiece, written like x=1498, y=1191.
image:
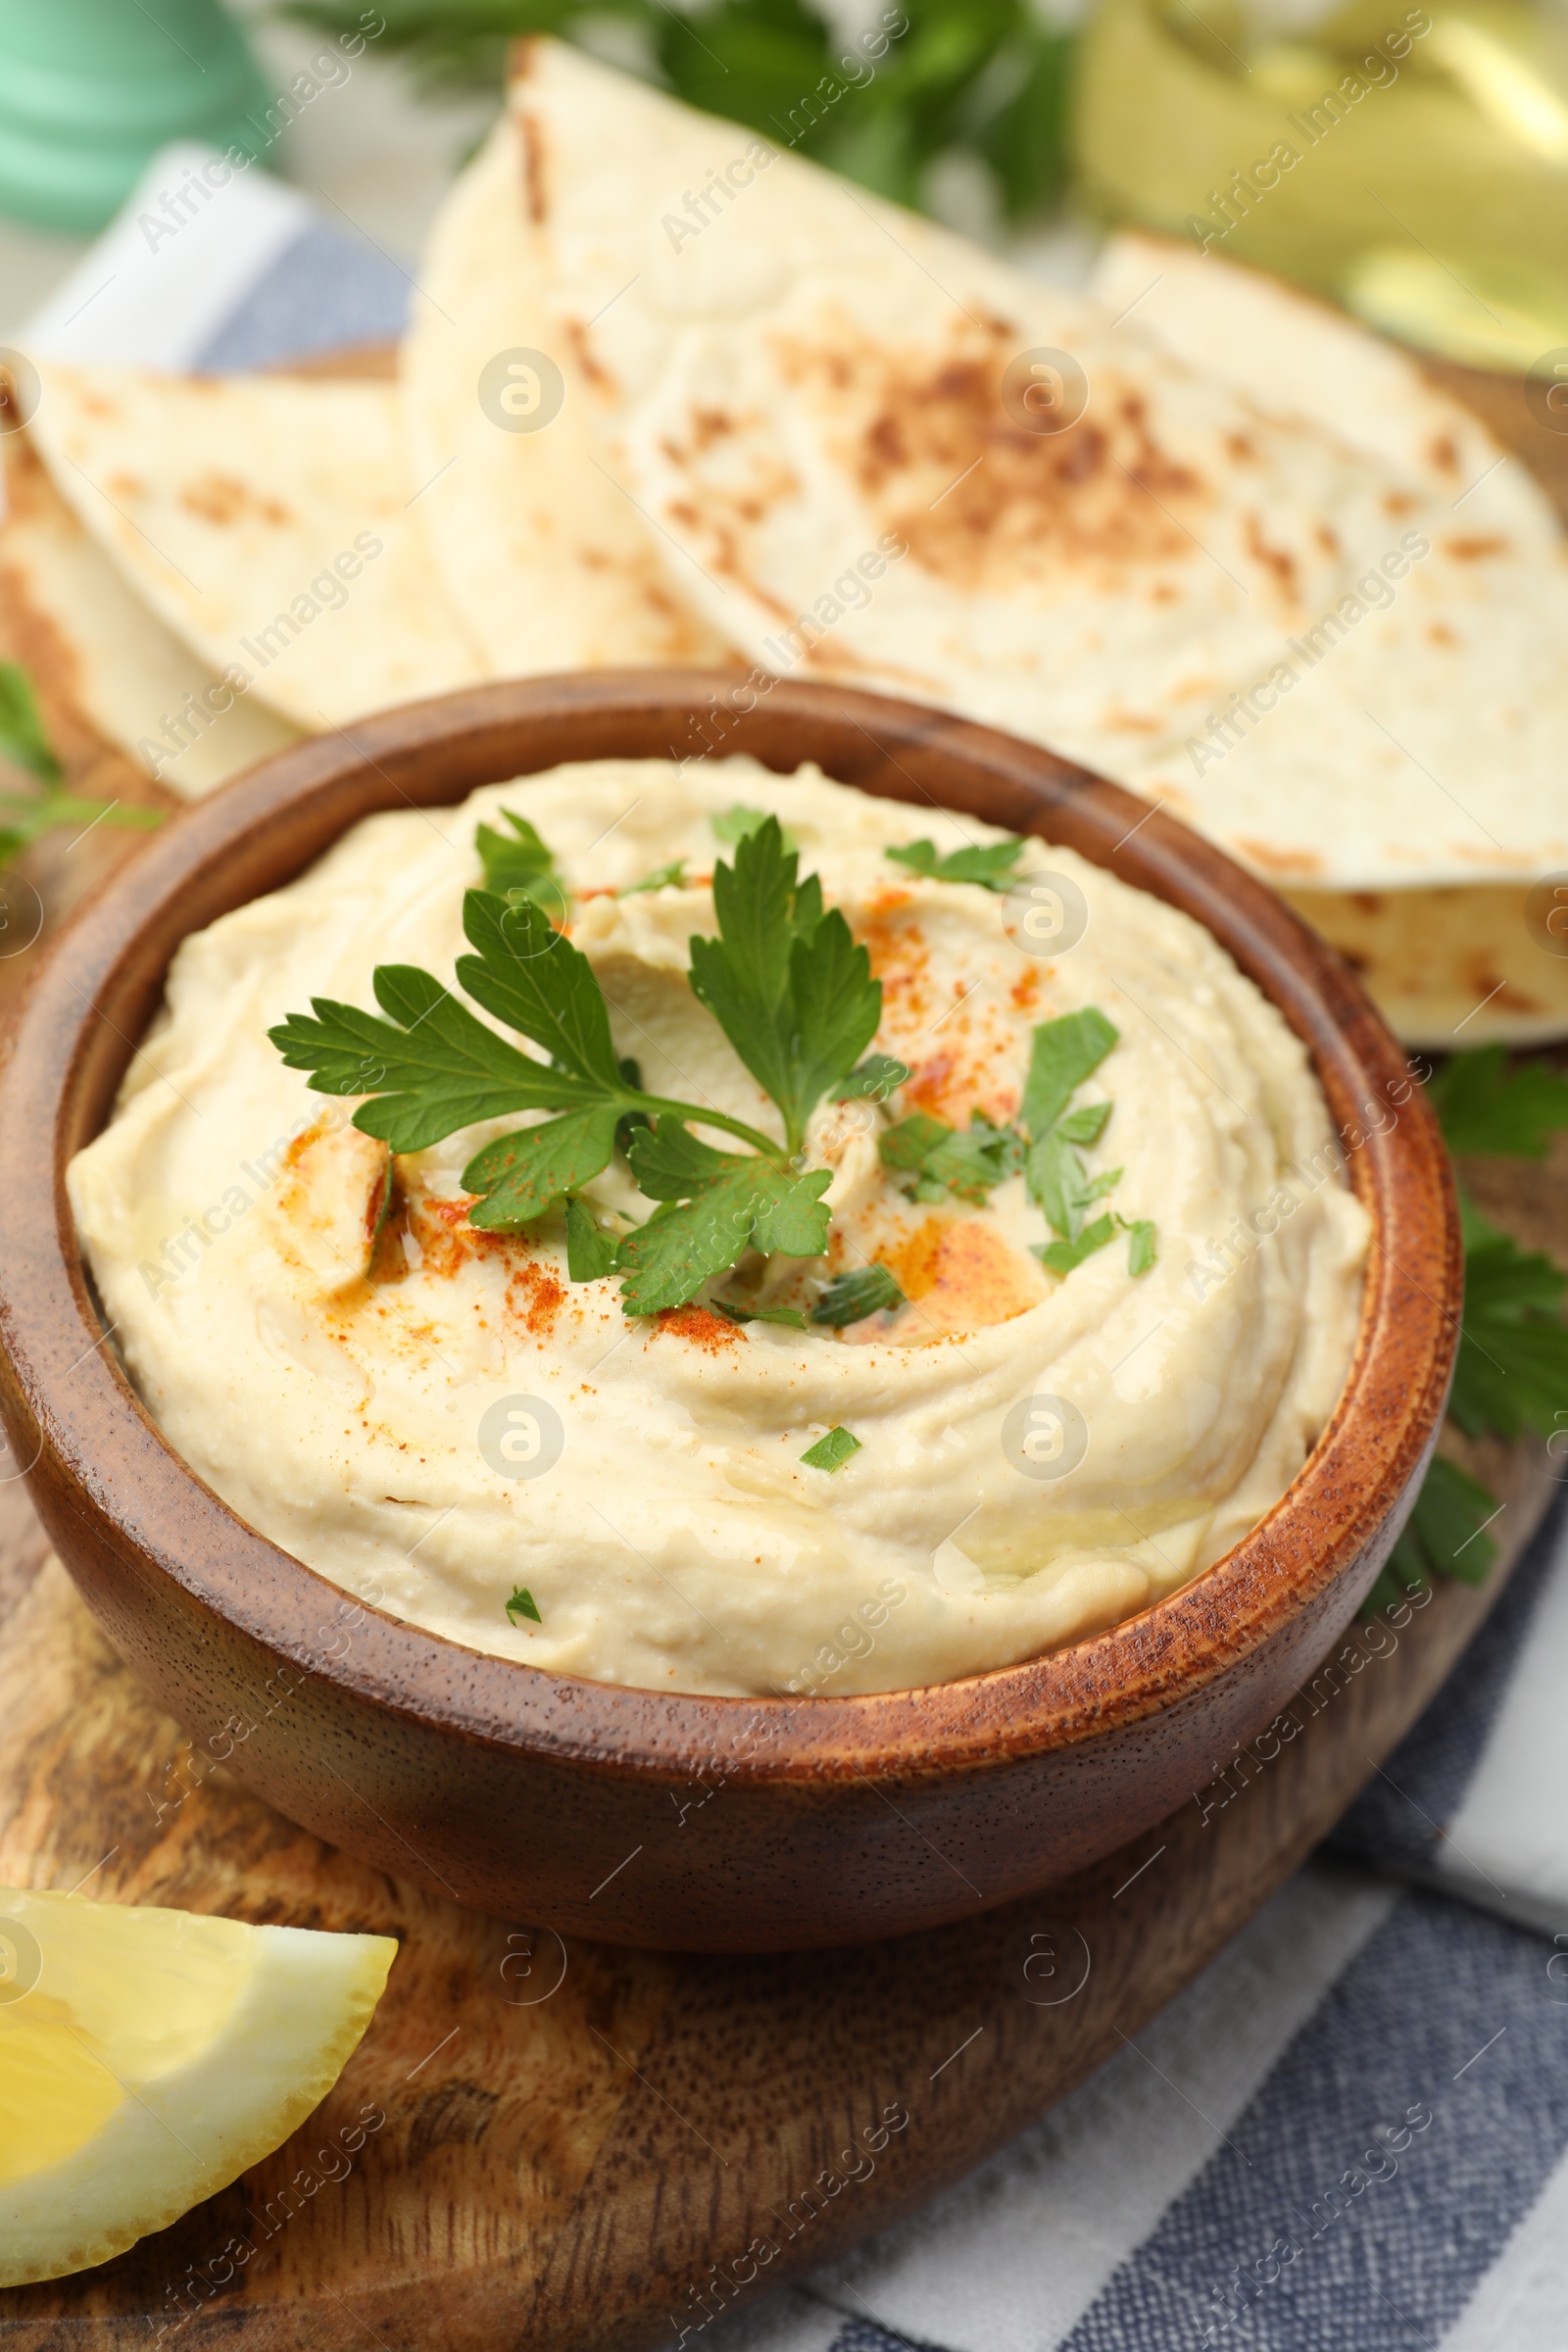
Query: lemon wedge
x=148, y=2057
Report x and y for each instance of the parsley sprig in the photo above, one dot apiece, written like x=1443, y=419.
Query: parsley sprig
x=987, y=77
x=1512, y=1370
x=784, y=980
x=24, y=745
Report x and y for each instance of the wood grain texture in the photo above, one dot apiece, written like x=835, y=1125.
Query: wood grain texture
x=580, y=2142
x=508, y=1787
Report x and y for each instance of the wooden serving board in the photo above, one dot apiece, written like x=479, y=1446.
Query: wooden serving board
x=575, y=2146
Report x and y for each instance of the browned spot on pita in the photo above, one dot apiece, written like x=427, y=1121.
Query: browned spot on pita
x=93, y=766
x=1398, y=501
x=1238, y=446
x=980, y=501
x=719, y=516
x=127, y=485
x=1487, y=982
x=1327, y=538
x=1296, y=864
x=1277, y=560
x=1472, y=551
x=223, y=499
x=535, y=186
x=1440, y=633
x=583, y=353
x=1443, y=454
x=1131, y=723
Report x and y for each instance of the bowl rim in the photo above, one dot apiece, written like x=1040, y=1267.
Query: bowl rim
x=77, y=1422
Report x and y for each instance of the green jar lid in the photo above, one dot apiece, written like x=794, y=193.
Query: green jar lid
x=90, y=89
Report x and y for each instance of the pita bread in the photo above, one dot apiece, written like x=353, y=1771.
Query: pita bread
x=547, y=560
x=788, y=371
x=1295, y=356
x=1448, y=968
x=268, y=522
x=110, y=655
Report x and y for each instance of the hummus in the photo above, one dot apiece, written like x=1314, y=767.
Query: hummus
x=442, y=1422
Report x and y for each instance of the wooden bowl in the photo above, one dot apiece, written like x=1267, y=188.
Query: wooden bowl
x=717, y=1824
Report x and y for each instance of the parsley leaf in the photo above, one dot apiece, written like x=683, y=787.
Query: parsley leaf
x=875, y=1078
x=991, y=83
x=519, y=1175
x=1065, y=1053
x=988, y=865
x=945, y=1160
x=432, y=1066
x=531, y=976
x=1063, y=1188
x=590, y=1249
x=23, y=741
x=1486, y=1105
x=851, y=1297
x=518, y=866
x=714, y=1205
x=738, y=824
x=24, y=816
x=832, y=1452
x=1512, y=1372
x=1142, y=1254
x=524, y=1604
x=664, y=877
x=1444, y=1536
x=786, y=983
x=1063, y=1256
x=735, y=1310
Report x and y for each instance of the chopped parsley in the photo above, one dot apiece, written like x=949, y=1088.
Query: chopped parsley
x=832, y=1452
x=851, y=1297
x=518, y=866
x=991, y=865
x=875, y=1078
x=664, y=877
x=738, y=824
x=524, y=1604
x=736, y=1310
x=940, y=1160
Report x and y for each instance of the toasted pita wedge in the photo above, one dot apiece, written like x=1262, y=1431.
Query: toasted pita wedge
x=108, y=653
x=267, y=522
x=1290, y=638
x=547, y=560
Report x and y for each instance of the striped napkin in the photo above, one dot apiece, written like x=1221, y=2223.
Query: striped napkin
x=1350, y=2134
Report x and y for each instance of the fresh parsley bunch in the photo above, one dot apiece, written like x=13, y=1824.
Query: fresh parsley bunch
x=784, y=980
x=24, y=745
x=984, y=77
x=1512, y=1370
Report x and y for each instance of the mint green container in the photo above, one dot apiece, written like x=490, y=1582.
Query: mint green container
x=90, y=89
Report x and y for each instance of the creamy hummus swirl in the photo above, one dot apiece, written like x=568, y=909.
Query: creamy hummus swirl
x=439, y=1419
